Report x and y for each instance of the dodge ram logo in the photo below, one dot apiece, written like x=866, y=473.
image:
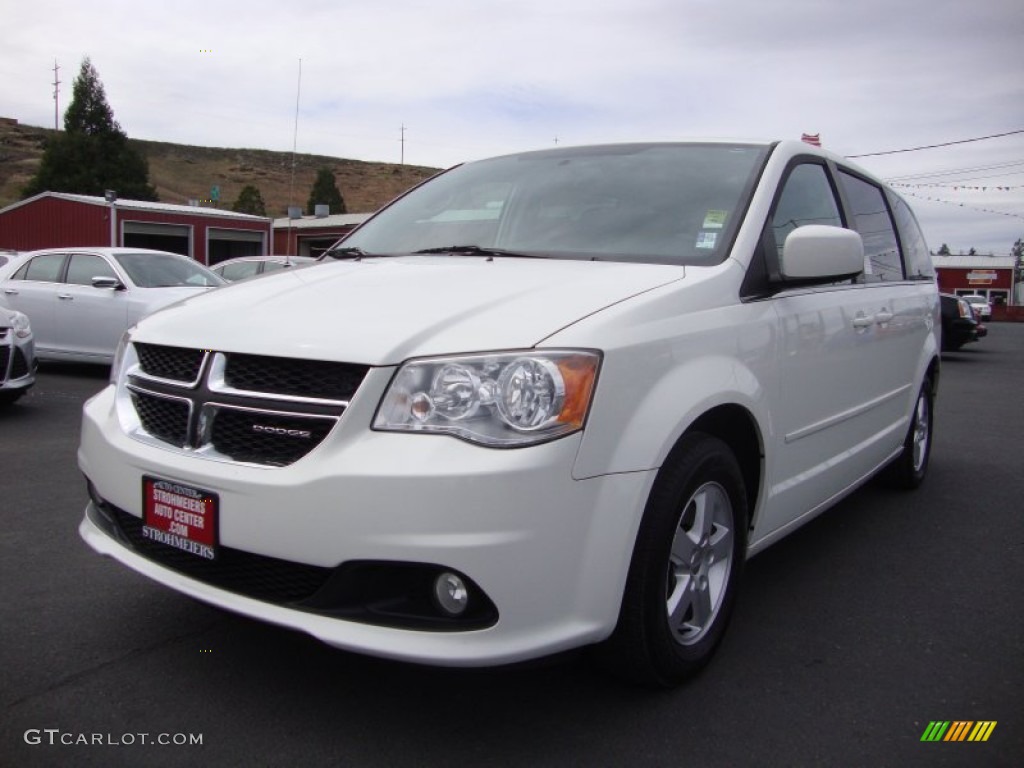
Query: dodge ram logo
x=264, y=429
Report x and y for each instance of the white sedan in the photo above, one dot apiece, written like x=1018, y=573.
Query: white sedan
x=81, y=300
x=980, y=306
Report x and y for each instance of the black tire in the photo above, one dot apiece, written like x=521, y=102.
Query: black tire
x=11, y=396
x=908, y=471
x=683, y=577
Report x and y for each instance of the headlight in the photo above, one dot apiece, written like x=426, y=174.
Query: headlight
x=20, y=324
x=504, y=399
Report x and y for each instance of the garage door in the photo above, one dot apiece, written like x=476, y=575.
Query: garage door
x=162, y=237
x=226, y=244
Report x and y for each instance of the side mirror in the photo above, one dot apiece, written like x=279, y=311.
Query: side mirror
x=818, y=253
x=107, y=282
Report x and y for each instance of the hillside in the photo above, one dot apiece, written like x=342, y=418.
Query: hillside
x=180, y=172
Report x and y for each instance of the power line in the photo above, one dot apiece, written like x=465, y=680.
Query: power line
x=957, y=171
x=936, y=146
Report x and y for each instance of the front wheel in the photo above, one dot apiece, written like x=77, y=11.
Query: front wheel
x=686, y=563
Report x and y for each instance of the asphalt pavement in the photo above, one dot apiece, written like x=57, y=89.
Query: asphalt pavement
x=889, y=612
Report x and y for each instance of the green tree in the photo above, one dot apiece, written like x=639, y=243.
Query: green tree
x=92, y=155
x=943, y=250
x=325, y=190
x=250, y=201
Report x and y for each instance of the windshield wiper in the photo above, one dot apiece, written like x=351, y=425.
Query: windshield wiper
x=476, y=250
x=344, y=253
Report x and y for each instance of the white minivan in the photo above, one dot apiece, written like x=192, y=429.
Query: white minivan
x=542, y=401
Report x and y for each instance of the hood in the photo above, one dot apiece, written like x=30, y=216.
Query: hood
x=383, y=311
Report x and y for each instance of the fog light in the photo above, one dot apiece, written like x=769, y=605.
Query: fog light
x=450, y=591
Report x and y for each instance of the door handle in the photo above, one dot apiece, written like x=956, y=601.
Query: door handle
x=883, y=316
x=65, y=296
x=10, y=292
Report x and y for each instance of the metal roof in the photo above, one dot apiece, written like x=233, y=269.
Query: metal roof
x=973, y=262
x=140, y=205
x=312, y=222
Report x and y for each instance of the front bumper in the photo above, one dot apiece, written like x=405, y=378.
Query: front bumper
x=550, y=553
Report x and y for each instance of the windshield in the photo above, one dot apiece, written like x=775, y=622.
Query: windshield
x=159, y=270
x=666, y=203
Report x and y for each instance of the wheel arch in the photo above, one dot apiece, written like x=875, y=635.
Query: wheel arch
x=736, y=427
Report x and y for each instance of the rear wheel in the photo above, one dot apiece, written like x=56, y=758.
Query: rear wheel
x=908, y=471
x=686, y=564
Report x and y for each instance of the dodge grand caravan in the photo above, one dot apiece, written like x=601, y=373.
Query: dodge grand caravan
x=542, y=401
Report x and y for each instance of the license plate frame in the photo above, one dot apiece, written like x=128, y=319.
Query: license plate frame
x=181, y=516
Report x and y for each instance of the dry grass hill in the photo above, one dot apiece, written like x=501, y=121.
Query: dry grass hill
x=180, y=172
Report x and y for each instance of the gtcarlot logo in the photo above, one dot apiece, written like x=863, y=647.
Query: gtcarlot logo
x=56, y=737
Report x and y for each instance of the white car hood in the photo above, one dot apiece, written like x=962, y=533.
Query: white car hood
x=383, y=311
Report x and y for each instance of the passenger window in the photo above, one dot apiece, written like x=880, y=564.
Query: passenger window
x=806, y=198
x=871, y=219
x=83, y=267
x=915, y=250
x=43, y=269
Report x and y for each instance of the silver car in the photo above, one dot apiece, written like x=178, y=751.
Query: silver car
x=250, y=266
x=17, y=356
x=81, y=300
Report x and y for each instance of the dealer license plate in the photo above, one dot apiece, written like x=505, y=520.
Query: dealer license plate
x=180, y=516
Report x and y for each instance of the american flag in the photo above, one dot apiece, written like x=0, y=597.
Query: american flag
x=812, y=138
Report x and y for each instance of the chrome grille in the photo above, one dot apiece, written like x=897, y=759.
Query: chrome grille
x=254, y=409
x=298, y=378
x=164, y=418
x=174, y=363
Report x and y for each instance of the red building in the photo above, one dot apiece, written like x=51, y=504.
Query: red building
x=60, y=219
x=989, y=276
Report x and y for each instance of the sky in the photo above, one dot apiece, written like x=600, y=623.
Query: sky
x=468, y=79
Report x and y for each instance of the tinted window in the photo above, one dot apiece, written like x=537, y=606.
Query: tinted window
x=871, y=219
x=915, y=250
x=45, y=268
x=83, y=267
x=806, y=198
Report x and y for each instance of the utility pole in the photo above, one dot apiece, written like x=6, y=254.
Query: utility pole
x=56, y=90
x=402, y=140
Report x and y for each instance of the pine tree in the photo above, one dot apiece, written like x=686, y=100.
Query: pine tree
x=92, y=155
x=943, y=250
x=325, y=190
x=250, y=201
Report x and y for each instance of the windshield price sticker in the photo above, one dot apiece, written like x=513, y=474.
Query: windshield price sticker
x=180, y=516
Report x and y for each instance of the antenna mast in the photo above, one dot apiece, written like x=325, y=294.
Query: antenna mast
x=295, y=144
x=56, y=90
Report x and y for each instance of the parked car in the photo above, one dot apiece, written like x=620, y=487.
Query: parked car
x=980, y=305
x=81, y=300
x=959, y=325
x=542, y=401
x=17, y=356
x=250, y=266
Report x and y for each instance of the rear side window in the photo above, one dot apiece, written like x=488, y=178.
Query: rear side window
x=240, y=270
x=871, y=219
x=807, y=198
x=43, y=269
x=915, y=250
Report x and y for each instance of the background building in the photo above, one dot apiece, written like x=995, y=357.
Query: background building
x=312, y=235
x=60, y=220
x=989, y=276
